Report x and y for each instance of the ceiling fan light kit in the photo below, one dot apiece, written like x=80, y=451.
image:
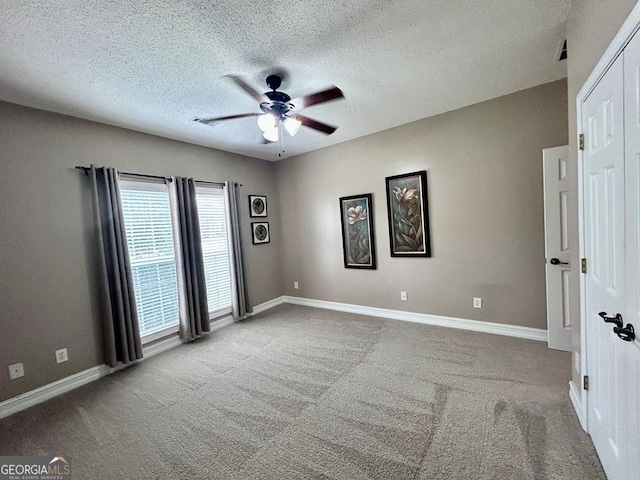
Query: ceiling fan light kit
x=267, y=122
x=272, y=126
x=292, y=125
x=273, y=134
x=279, y=110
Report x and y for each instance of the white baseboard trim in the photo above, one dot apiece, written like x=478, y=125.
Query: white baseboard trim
x=528, y=333
x=269, y=304
x=41, y=394
x=174, y=341
x=221, y=323
x=157, y=347
x=33, y=397
x=574, y=396
x=64, y=385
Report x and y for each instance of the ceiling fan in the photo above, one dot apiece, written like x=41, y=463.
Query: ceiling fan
x=279, y=110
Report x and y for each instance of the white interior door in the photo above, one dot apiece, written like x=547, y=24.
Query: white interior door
x=632, y=234
x=557, y=195
x=603, y=183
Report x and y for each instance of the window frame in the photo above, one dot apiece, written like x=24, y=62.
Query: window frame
x=154, y=185
x=218, y=313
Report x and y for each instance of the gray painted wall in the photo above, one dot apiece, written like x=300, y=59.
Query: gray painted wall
x=485, y=181
x=484, y=165
x=591, y=26
x=47, y=288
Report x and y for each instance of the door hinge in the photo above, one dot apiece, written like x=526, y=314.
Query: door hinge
x=583, y=265
x=585, y=382
x=581, y=141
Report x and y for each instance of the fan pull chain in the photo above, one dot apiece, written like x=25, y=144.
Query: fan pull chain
x=281, y=137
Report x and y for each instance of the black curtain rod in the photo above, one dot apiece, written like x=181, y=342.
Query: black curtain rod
x=218, y=184
x=143, y=175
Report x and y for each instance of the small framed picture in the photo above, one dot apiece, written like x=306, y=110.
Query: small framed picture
x=257, y=206
x=260, y=232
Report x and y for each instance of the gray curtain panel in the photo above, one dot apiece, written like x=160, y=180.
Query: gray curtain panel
x=195, y=319
x=119, y=315
x=240, y=302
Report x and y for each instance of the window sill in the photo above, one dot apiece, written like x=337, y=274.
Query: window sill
x=218, y=314
x=214, y=316
x=165, y=332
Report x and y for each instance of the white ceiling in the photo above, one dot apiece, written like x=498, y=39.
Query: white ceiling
x=152, y=65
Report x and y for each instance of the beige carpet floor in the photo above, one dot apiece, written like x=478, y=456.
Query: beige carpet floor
x=303, y=393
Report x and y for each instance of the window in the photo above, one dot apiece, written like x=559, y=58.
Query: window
x=147, y=219
x=148, y=223
x=215, y=251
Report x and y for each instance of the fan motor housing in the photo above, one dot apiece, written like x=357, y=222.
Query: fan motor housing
x=279, y=103
x=274, y=82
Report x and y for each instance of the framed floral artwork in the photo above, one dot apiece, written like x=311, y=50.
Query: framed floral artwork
x=358, y=244
x=260, y=232
x=408, y=215
x=257, y=206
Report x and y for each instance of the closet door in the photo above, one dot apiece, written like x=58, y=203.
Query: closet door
x=611, y=183
x=631, y=398
x=603, y=186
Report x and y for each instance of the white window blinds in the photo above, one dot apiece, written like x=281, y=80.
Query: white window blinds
x=215, y=251
x=147, y=218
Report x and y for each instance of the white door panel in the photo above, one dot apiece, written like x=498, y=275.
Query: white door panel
x=603, y=124
x=631, y=386
x=611, y=182
x=558, y=241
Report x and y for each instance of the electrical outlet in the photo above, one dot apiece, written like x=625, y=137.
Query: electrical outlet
x=16, y=371
x=61, y=355
x=403, y=296
x=295, y=285
x=477, y=302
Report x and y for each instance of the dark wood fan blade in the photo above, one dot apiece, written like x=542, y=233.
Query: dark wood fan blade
x=257, y=96
x=333, y=93
x=208, y=121
x=316, y=125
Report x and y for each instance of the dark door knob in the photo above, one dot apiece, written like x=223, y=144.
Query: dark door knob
x=555, y=261
x=617, y=319
x=627, y=334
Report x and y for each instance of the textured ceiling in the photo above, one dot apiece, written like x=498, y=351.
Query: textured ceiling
x=152, y=65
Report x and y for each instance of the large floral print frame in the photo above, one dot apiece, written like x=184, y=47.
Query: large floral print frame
x=408, y=215
x=358, y=243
